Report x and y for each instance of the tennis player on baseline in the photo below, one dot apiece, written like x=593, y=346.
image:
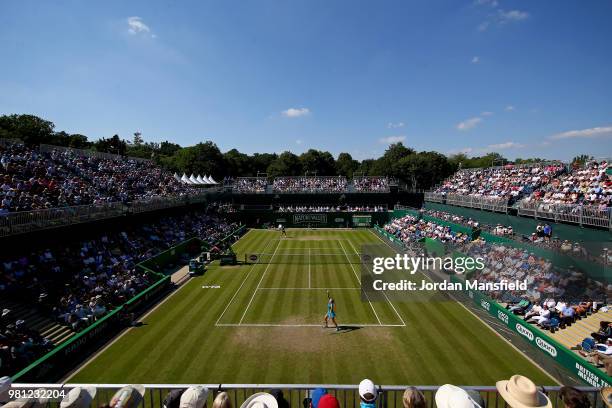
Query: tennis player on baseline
x=331, y=312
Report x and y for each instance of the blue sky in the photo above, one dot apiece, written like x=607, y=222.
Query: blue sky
x=524, y=78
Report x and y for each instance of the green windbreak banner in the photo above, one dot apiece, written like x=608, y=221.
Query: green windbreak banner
x=571, y=361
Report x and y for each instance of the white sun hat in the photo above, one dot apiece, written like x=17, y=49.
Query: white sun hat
x=260, y=400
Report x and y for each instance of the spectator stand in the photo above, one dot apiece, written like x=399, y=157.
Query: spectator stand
x=310, y=184
x=62, y=358
x=45, y=148
x=551, y=348
x=493, y=188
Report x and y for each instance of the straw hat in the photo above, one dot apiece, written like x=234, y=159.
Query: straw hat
x=606, y=396
x=260, y=400
x=521, y=392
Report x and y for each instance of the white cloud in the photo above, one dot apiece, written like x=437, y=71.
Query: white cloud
x=506, y=145
x=491, y=3
x=392, y=139
x=584, y=133
x=392, y=125
x=137, y=26
x=503, y=17
x=509, y=108
x=486, y=113
x=295, y=112
x=511, y=16
x=475, y=60
x=469, y=123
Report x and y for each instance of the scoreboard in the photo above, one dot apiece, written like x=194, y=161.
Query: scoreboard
x=362, y=220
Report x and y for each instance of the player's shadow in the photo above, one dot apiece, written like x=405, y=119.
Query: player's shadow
x=346, y=329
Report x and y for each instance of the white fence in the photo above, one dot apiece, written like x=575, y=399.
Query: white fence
x=572, y=213
x=482, y=203
x=389, y=396
x=28, y=221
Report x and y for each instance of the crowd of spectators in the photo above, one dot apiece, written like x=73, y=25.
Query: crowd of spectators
x=250, y=184
x=516, y=392
x=507, y=182
x=307, y=184
x=506, y=262
x=18, y=344
x=331, y=208
x=589, y=185
x=78, y=282
x=34, y=180
x=541, y=237
x=410, y=229
x=373, y=184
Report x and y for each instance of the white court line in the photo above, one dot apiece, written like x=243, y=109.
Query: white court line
x=241, y=285
x=310, y=288
x=384, y=293
x=303, y=325
x=309, y=274
x=359, y=280
x=258, y=284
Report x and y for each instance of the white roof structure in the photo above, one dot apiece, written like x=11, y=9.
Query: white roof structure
x=176, y=177
x=201, y=180
x=185, y=179
x=193, y=179
x=212, y=180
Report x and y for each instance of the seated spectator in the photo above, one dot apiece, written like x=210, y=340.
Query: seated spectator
x=604, y=333
x=79, y=397
x=602, y=353
x=260, y=400
x=367, y=394
x=573, y=398
x=521, y=392
x=194, y=397
x=451, y=396
x=129, y=396
x=413, y=398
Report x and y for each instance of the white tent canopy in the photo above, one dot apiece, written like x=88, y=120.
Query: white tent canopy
x=212, y=180
x=185, y=179
x=201, y=180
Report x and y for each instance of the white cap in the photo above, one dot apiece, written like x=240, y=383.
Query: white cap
x=194, y=397
x=367, y=387
x=79, y=397
x=451, y=396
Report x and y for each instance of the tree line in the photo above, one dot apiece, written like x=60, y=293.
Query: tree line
x=419, y=170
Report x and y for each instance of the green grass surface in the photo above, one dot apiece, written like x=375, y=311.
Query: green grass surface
x=264, y=325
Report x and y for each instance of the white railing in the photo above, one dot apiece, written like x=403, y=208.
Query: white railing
x=389, y=396
x=495, y=204
x=28, y=221
x=571, y=213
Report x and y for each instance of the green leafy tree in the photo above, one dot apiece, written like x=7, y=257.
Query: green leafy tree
x=346, y=165
x=287, y=164
x=29, y=128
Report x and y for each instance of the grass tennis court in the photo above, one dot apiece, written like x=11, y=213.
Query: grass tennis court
x=262, y=323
